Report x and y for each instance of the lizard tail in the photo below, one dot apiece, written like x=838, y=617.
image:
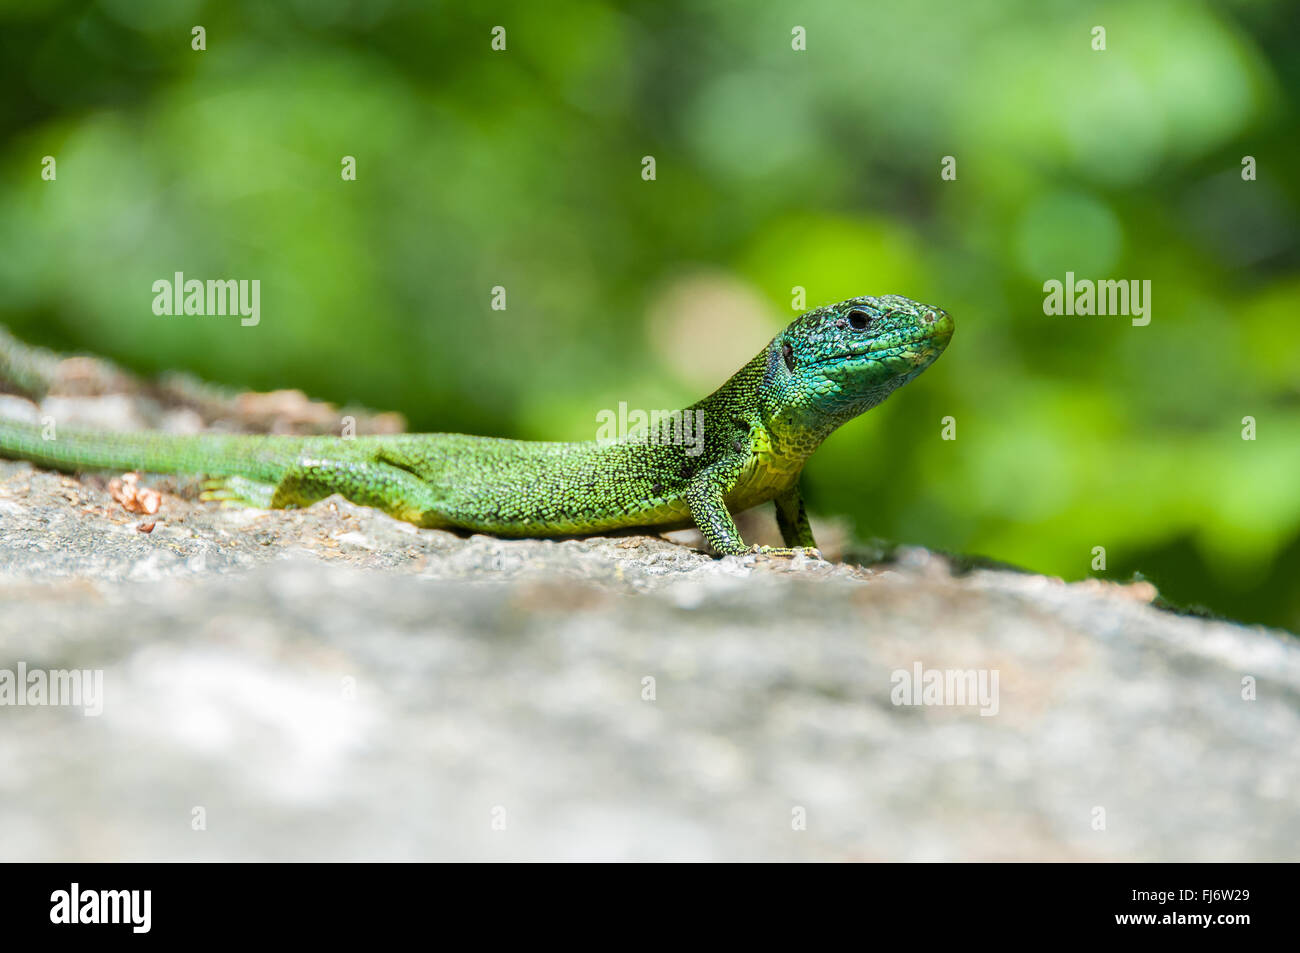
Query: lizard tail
x=257, y=458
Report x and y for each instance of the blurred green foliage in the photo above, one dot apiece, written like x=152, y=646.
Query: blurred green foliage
x=775, y=168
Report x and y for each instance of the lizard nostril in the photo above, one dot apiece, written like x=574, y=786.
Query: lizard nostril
x=928, y=318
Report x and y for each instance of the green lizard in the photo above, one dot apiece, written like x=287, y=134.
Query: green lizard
x=759, y=428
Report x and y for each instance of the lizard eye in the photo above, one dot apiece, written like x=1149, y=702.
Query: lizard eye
x=859, y=320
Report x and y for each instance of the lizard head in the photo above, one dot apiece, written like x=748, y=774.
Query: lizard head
x=836, y=362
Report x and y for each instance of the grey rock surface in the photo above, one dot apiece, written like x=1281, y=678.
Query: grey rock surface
x=332, y=684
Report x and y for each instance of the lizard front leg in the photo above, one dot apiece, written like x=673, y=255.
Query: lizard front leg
x=792, y=519
x=705, y=494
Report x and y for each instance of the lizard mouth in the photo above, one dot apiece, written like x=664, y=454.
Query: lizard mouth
x=917, y=342
x=920, y=345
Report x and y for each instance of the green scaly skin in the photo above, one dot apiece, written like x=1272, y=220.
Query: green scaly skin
x=759, y=428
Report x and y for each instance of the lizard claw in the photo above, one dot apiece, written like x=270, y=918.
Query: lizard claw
x=237, y=491
x=811, y=552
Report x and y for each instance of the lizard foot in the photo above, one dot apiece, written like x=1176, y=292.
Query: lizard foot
x=811, y=552
x=237, y=491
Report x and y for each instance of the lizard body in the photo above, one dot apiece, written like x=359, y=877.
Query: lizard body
x=759, y=428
